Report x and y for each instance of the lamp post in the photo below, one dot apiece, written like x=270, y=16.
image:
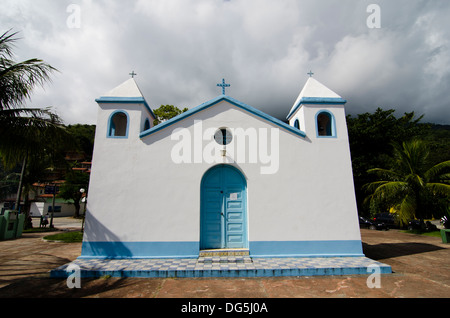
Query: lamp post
x=82, y=190
x=53, y=206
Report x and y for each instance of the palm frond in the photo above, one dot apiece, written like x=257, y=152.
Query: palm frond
x=26, y=131
x=392, y=188
x=415, y=181
x=385, y=174
x=372, y=186
x=6, y=43
x=444, y=178
x=411, y=157
x=406, y=209
x=439, y=188
x=437, y=171
x=387, y=191
x=409, y=186
x=17, y=80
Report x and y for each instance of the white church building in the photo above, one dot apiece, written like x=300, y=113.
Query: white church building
x=223, y=175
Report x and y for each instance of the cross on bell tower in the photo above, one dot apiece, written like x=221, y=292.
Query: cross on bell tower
x=310, y=73
x=133, y=74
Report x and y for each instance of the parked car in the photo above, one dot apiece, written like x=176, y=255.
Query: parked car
x=373, y=225
x=420, y=225
x=416, y=225
x=390, y=219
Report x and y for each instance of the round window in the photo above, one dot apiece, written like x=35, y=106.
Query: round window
x=223, y=136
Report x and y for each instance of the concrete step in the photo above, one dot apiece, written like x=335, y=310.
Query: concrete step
x=224, y=252
x=240, y=266
x=224, y=260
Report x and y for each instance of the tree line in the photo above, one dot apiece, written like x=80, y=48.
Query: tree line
x=398, y=163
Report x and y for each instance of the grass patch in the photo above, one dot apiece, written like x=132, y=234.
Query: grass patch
x=67, y=237
x=432, y=233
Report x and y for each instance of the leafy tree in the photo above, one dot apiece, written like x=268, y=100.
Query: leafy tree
x=8, y=182
x=84, y=136
x=371, y=136
x=17, y=80
x=411, y=186
x=26, y=132
x=166, y=112
x=438, y=141
x=70, y=190
x=21, y=127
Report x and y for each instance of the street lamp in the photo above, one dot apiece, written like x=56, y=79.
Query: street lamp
x=82, y=190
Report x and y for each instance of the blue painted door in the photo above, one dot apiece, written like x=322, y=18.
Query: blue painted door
x=223, y=209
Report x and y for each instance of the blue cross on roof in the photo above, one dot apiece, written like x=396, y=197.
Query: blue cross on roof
x=223, y=85
x=310, y=73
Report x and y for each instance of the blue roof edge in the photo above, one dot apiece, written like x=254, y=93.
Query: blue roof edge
x=215, y=101
x=316, y=100
x=126, y=100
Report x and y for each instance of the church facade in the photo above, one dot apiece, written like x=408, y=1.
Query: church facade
x=223, y=175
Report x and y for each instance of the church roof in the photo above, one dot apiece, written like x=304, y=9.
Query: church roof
x=315, y=92
x=232, y=101
x=126, y=93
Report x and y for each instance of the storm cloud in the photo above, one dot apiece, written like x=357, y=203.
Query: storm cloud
x=181, y=49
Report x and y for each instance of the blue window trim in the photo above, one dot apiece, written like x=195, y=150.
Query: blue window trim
x=109, y=132
x=333, y=124
x=215, y=101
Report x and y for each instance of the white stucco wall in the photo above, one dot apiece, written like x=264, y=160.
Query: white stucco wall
x=139, y=194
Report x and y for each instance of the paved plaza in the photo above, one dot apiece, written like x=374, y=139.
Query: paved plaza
x=419, y=263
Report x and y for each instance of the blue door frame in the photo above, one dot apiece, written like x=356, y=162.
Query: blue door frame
x=223, y=209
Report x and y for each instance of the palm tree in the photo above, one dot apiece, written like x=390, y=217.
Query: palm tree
x=21, y=127
x=17, y=80
x=23, y=130
x=411, y=187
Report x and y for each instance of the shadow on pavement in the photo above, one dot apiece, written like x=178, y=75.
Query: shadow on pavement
x=57, y=288
x=391, y=250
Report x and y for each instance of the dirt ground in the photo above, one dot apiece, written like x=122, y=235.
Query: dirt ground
x=421, y=270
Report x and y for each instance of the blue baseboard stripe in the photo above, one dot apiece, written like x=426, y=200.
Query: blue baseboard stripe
x=306, y=249
x=120, y=250
x=124, y=250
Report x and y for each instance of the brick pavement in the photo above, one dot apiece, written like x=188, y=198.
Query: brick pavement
x=420, y=265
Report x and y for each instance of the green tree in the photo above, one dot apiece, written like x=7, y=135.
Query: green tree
x=166, y=112
x=371, y=136
x=24, y=131
x=70, y=190
x=19, y=126
x=438, y=141
x=84, y=136
x=411, y=187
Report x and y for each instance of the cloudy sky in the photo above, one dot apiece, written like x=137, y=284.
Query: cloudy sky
x=181, y=49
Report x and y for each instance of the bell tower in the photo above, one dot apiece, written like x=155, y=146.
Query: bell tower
x=318, y=111
x=124, y=112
